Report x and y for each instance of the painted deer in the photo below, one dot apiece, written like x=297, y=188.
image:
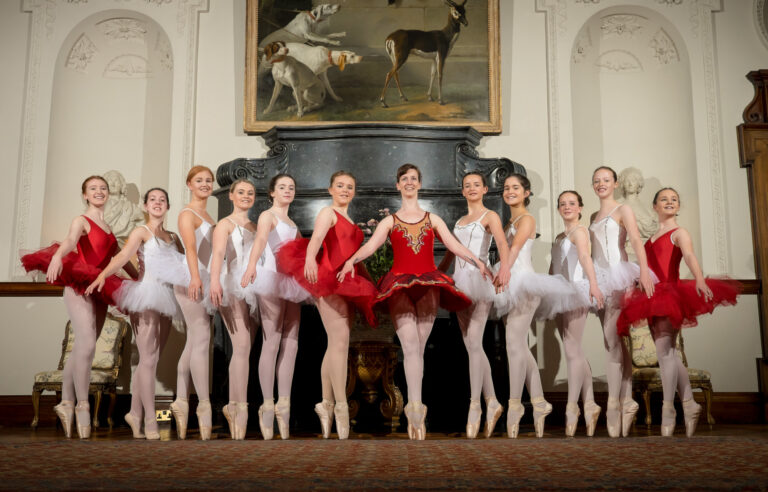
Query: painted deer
x=428, y=44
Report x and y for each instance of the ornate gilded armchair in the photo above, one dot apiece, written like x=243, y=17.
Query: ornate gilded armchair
x=104, y=371
x=646, y=376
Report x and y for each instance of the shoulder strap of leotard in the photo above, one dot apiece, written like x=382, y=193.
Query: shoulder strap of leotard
x=194, y=212
x=512, y=223
x=580, y=226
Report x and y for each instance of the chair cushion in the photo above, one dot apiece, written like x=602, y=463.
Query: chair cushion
x=644, y=348
x=98, y=376
x=699, y=375
x=105, y=356
x=649, y=375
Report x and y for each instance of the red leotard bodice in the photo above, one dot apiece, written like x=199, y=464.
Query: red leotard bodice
x=664, y=257
x=341, y=242
x=413, y=246
x=97, y=247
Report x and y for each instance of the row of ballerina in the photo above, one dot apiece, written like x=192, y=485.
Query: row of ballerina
x=260, y=274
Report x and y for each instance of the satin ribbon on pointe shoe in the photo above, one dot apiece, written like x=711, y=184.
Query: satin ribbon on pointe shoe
x=341, y=412
x=473, y=425
x=571, y=418
x=515, y=412
x=267, y=419
x=541, y=408
x=229, y=415
x=591, y=414
x=135, y=426
x=83, y=414
x=691, y=413
x=204, y=416
x=613, y=417
x=65, y=410
x=668, y=416
x=629, y=408
x=493, y=412
x=324, y=411
x=180, y=410
x=283, y=416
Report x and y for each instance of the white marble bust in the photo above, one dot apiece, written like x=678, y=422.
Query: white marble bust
x=631, y=183
x=121, y=213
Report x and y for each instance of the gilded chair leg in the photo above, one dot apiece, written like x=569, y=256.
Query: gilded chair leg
x=647, y=401
x=708, y=404
x=111, y=409
x=35, y=407
x=97, y=406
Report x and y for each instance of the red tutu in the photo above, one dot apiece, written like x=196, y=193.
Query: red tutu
x=340, y=244
x=451, y=298
x=75, y=273
x=679, y=302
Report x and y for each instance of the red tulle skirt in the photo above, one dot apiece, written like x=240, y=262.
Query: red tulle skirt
x=358, y=289
x=75, y=273
x=451, y=298
x=677, y=301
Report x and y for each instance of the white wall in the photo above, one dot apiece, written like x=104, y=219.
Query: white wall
x=726, y=343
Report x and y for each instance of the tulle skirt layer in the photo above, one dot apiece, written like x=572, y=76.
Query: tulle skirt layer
x=474, y=285
x=451, y=298
x=168, y=266
x=358, y=290
x=276, y=284
x=148, y=294
x=556, y=295
x=677, y=301
x=75, y=273
x=618, y=277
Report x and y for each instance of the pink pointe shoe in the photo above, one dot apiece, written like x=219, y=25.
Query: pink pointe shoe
x=341, y=412
x=283, y=416
x=180, y=410
x=135, y=425
x=65, y=410
x=613, y=417
x=515, y=412
x=541, y=408
x=493, y=412
x=591, y=414
x=571, y=418
x=629, y=408
x=416, y=412
x=204, y=418
x=668, y=417
x=473, y=418
x=691, y=413
x=267, y=419
x=230, y=411
x=83, y=418
x=324, y=411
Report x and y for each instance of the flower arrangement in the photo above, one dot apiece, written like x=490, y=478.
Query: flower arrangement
x=379, y=263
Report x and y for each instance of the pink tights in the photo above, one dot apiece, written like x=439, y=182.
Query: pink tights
x=618, y=368
x=523, y=369
x=242, y=330
x=336, y=315
x=194, y=358
x=151, y=331
x=571, y=327
x=87, y=317
x=280, y=330
x=413, y=324
x=674, y=375
x=472, y=322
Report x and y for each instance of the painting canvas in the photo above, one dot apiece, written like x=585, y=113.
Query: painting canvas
x=310, y=63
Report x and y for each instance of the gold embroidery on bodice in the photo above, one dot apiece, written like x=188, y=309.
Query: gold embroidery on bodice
x=413, y=233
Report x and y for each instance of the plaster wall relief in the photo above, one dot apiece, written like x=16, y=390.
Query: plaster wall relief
x=621, y=25
x=760, y=15
x=663, y=48
x=619, y=61
x=148, y=42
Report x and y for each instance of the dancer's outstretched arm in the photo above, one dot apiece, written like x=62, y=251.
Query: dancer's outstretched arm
x=633, y=232
x=138, y=236
x=581, y=241
x=377, y=239
x=267, y=221
x=220, y=235
x=455, y=246
x=497, y=230
x=682, y=238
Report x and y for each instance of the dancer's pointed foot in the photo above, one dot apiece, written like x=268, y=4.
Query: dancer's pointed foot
x=613, y=417
x=541, y=408
x=691, y=413
x=629, y=408
x=267, y=419
x=283, y=416
x=65, y=410
x=150, y=429
x=571, y=418
x=204, y=419
x=473, y=418
x=135, y=425
x=180, y=410
x=324, y=411
x=416, y=412
x=241, y=420
x=493, y=412
x=515, y=412
x=229, y=411
x=341, y=412
x=83, y=418
x=591, y=413
x=668, y=417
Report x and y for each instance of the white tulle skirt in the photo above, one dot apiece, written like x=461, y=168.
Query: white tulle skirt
x=275, y=284
x=472, y=283
x=147, y=294
x=618, y=277
x=170, y=267
x=555, y=294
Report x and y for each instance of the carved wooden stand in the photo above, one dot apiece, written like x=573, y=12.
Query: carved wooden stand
x=372, y=364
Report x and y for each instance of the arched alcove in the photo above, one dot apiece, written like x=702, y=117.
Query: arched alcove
x=632, y=105
x=110, y=109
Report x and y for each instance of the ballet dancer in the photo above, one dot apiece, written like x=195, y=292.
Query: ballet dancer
x=316, y=271
x=277, y=296
x=571, y=259
x=414, y=287
x=75, y=271
x=529, y=295
x=233, y=239
x=675, y=304
x=189, y=275
x=608, y=231
x=151, y=304
x=475, y=231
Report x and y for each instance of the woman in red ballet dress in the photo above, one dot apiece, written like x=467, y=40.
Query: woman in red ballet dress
x=414, y=287
x=674, y=304
x=75, y=271
x=316, y=271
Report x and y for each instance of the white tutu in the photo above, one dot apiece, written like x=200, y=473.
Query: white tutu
x=147, y=294
x=275, y=284
x=556, y=295
x=618, y=277
x=472, y=283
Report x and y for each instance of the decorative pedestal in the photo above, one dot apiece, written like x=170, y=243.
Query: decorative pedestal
x=371, y=371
